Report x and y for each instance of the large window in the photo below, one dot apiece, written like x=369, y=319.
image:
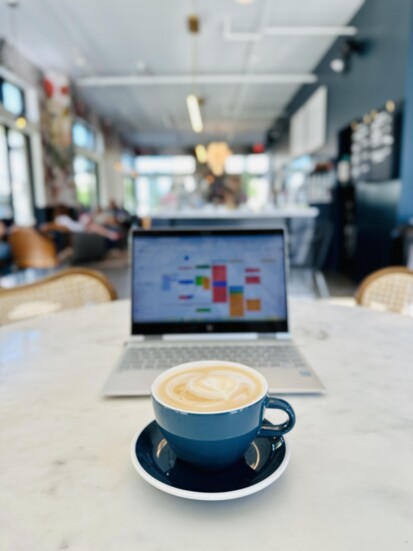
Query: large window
x=84, y=137
x=129, y=182
x=15, y=183
x=86, y=164
x=86, y=181
x=6, y=210
x=165, y=183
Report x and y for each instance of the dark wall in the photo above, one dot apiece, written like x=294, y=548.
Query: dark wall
x=405, y=211
x=374, y=77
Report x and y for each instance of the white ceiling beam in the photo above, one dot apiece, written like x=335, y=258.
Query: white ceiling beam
x=180, y=80
x=310, y=31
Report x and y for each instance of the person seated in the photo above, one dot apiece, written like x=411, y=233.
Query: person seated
x=85, y=223
x=5, y=250
x=118, y=213
x=104, y=218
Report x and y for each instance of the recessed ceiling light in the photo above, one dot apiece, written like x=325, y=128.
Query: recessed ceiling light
x=244, y=2
x=141, y=66
x=80, y=61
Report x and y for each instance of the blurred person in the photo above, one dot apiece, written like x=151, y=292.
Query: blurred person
x=5, y=250
x=63, y=217
x=119, y=214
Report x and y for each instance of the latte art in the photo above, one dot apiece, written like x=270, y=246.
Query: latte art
x=210, y=389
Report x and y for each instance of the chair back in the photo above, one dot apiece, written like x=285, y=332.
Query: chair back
x=30, y=249
x=67, y=289
x=388, y=289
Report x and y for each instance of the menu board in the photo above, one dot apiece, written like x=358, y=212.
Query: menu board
x=375, y=148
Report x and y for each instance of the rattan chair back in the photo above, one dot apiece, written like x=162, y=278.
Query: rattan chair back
x=67, y=289
x=388, y=289
x=30, y=249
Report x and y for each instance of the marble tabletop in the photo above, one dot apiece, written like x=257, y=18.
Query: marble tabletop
x=67, y=482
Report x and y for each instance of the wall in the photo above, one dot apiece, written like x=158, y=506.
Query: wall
x=405, y=211
x=374, y=77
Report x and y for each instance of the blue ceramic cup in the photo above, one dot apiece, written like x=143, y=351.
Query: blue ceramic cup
x=215, y=439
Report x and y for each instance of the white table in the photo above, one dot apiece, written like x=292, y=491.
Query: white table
x=66, y=479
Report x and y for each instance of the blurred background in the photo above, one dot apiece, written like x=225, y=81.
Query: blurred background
x=155, y=113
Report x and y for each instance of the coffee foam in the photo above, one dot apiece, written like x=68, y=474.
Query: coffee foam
x=210, y=389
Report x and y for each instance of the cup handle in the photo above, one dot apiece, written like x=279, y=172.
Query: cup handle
x=278, y=430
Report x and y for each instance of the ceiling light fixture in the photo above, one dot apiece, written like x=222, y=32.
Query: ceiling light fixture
x=21, y=123
x=201, y=154
x=194, y=111
x=348, y=49
x=244, y=2
x=193, y=100
x=217, y=154
x=140, y=66
x=337, y=65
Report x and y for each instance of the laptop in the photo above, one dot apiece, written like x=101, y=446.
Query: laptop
x=210, y=294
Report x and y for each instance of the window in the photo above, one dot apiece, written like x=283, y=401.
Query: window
x=127, y=167
x=15, y=183
x=86, y=164
x=12, y=98
x=129, y=197
x=86, y=181
x=6, y=211
x=84, y=136
x=177, y=164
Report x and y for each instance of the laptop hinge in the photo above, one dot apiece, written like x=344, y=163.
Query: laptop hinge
x=210, y=336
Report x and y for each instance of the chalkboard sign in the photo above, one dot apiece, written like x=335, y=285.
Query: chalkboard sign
x=375, y=144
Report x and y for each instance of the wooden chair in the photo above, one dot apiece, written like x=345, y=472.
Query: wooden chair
x=67, y=289
x=388, y=289
x=31, y=249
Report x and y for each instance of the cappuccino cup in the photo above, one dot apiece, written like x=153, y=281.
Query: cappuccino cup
x=211, y=411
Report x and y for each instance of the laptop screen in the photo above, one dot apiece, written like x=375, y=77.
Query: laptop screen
x=208, y=280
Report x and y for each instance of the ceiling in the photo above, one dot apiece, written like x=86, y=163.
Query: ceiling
x=96, y=38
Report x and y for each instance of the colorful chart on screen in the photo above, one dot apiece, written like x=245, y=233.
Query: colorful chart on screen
x=201, y=278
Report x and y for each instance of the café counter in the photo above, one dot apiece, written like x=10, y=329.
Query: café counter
x=233, y=217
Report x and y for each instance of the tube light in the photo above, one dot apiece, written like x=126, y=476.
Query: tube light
x=201, y=153
x=194, y=113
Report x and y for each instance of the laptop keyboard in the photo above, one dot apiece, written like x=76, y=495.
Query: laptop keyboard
x=163, y=357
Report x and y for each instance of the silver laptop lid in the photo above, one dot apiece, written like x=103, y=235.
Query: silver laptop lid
x=209, y=281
